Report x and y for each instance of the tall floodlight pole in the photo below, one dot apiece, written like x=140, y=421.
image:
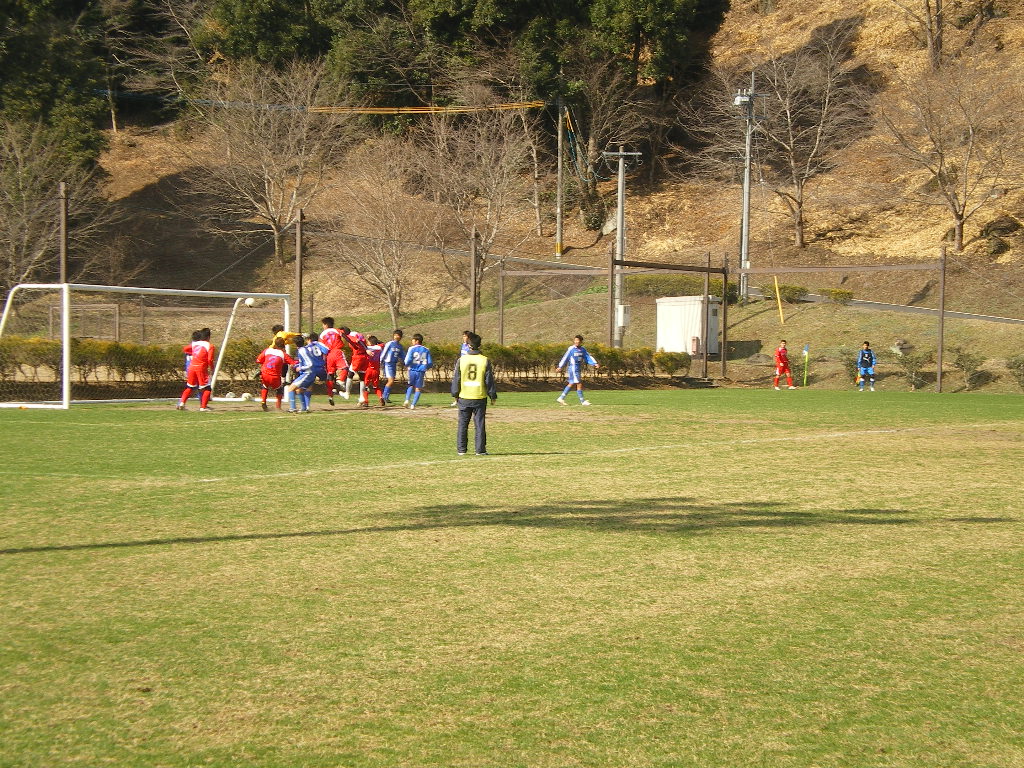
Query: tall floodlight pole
x=745, y=99
x=620, y=241
x=558, y=183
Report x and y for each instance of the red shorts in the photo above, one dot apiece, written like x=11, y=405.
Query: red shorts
x=271, y=382
x=359, y=363
x=781, y=369
x=336, y=361
x=372, y=377
x=198, y=377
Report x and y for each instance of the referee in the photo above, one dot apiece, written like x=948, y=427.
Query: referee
x=473, y=384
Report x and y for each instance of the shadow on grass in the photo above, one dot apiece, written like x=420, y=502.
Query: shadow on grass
x=673, y=515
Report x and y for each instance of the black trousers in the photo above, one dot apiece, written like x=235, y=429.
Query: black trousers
x=477, y=410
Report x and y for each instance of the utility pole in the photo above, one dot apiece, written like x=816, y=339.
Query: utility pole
x=298, y=270
x=62, y=245
x=745, y=99
x=559, y=192
x=942, y=318
x=473, y=283
x=620, y=319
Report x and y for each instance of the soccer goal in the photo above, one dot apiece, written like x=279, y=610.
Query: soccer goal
x=66, y=343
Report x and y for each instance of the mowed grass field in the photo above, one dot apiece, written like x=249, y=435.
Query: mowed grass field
x=672, y=578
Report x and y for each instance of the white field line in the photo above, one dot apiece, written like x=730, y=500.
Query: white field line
x=156, y=481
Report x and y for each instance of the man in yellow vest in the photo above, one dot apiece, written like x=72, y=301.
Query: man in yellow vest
x=473, y=384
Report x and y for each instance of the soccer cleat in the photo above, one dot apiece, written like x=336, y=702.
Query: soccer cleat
x=330, y=400
x=776, y=389
x=293, y=410
x=585, y=402
x=364, y=403
x=205, y=409
x=180, y=407
x=412, y=407
x=872, y=389
x=405, y=404
x=791, y=387
x=344, y=395
x=482, y=453
x=264, y=406
x=561, y=401
x=462, y=453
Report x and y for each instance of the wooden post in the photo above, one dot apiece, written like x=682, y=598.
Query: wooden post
x=705, y=321
x=501, y=302
x=142, y=319
x=942, y=318
x=725, y=313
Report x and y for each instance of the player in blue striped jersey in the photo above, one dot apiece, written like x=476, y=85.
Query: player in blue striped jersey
x=417, y=362
x=574, y=360
x=392, y=354
x=312, y=365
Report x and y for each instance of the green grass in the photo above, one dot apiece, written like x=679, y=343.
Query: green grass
x=706, y=578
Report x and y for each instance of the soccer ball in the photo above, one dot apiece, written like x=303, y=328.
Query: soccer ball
x=250, y=301
x=247, y=395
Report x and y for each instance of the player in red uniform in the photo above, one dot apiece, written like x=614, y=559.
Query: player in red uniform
x=373, y=350
x=273, y=362
x=331, y=338
x=203, y=355
x=782, y=366
x=357, y=365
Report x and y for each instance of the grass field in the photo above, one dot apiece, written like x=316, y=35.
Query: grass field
x=672, y=578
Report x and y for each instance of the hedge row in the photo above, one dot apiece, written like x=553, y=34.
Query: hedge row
x=107, y=361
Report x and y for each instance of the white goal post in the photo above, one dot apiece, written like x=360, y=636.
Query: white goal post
x=117, y=339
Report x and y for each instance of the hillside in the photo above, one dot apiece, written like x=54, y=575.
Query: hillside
x=849, y=221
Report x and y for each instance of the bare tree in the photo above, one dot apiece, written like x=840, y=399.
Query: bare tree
x=961, y=129
x=926, y=17
x=31, y=169
x=474, y=165
x=383, y=228
x=808, y=106
x=268, y=144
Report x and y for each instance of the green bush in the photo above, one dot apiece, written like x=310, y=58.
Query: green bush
x=913, y=364
x=791, y=294
x=967, y=363
x=1016, y=366
x=838, y=296
x=672, y=362
x=677, y=285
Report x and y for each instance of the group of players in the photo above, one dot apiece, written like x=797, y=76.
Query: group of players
x=865, y=366
x=322, y=357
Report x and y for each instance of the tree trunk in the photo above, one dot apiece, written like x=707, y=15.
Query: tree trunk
x=958, y=234
x=278, y=236
x=798, y=227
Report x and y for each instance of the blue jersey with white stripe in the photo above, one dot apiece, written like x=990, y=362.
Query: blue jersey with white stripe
x=313, y=358
x=392, y=353
x=575, y=358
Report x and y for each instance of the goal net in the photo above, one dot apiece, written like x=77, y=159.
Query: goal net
x=66, y=343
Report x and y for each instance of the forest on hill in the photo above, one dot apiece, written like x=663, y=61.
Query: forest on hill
x=192, y=135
